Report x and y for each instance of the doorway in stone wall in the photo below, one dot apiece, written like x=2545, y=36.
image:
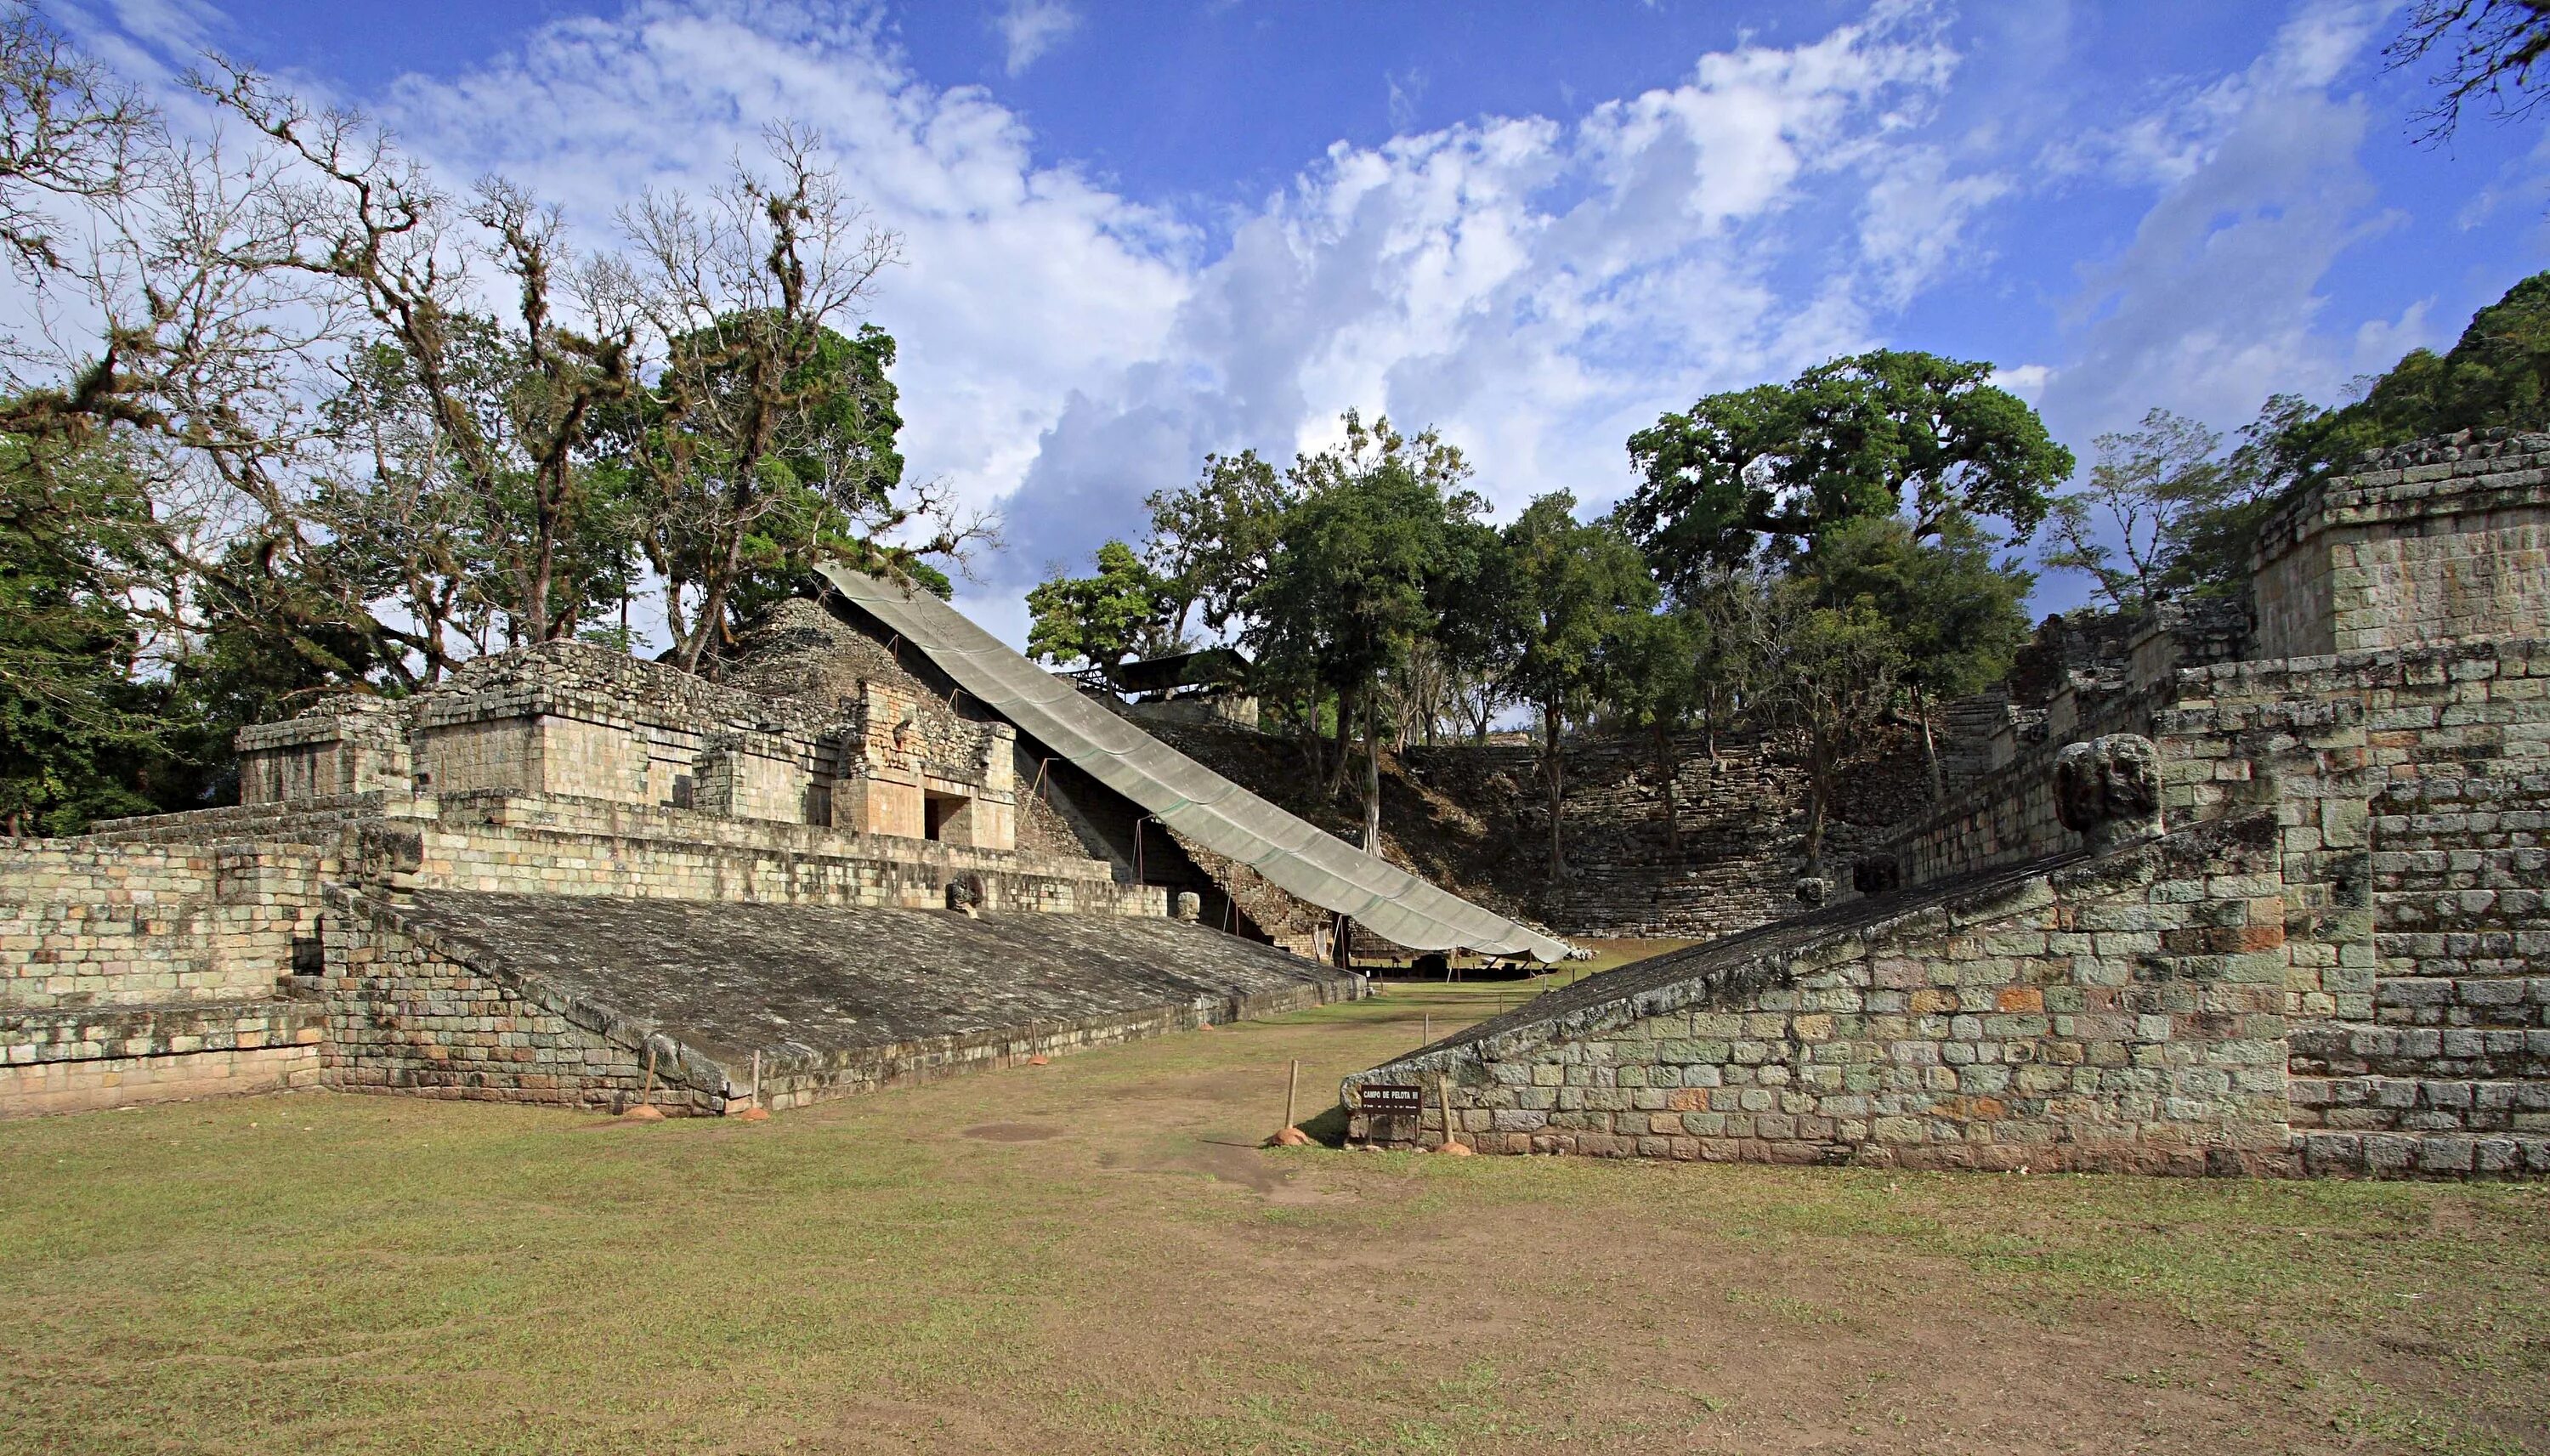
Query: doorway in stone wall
x=942, y=813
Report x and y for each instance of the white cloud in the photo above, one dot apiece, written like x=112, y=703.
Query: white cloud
x=2216, y=301
x=1914, y=228
x=1539, y=287
x=1406, y=92
x=2028, y=381
x=1031, y=28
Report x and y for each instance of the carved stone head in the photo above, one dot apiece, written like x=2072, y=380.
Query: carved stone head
x=2109, y=789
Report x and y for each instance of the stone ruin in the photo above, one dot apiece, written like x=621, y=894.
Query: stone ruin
x=2249, y=888
x=565, y=876
x=2237, y=897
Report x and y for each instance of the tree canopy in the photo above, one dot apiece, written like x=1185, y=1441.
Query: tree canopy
x=1776, y=465
x=1121, y=612
x=362, y=427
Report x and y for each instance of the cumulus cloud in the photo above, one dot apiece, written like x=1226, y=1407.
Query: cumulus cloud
x=1031, y=28
x=2215, y=301
x=1539, y=287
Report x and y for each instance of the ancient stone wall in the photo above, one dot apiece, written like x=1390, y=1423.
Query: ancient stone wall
x=2125, y=1014
x=90, y=924
x=569, y=720
x=408, y=1013
x=2007, y=815
x=2339, y=936
x=75, y=1061
x=1740, y=815
x=2415, y=859
x=142, y=972
x=2440, y=540
x=349, y=744
x=879, y=871
x=505, y=841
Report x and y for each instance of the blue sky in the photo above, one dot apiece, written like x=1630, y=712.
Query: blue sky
x=1138, y=232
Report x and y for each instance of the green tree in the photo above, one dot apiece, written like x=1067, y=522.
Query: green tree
x=2146, y=484
x=1379, y=538
x=1563, y=589
x=2497, y=373
x=1650, y=682
x=1831, y=667
x=1956, y=616
x=1210, y=542
x=2181, y=513
x=764, y=446
x=1872, y=434
x=71, y=714
x=1724, y=609
x=1124, y=611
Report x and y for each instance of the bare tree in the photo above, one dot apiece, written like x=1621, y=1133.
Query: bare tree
x=2489, y=49
x=388, y=239
x=738, y=299
x=68, y=133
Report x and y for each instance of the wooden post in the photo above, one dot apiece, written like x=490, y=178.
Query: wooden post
x=1443, y=1096
x=756, y=1079
x=1291, y=1088
x=647, y=1090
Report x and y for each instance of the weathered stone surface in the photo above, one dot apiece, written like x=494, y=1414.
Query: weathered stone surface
x=2109, y=789
x=540, y=998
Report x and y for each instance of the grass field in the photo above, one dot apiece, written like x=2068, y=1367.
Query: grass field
x=1094, y=1256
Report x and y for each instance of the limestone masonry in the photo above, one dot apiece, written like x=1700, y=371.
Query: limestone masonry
x=567, y=876
x=2242, y=887
x=2263, y=901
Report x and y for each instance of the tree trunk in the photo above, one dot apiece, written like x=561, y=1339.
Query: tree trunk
x=1816, y=795
x=1930, y=747
x=1550, y=724
x=1337, y=767
x=1308, y=736
x=544, y=566
x=1372, y=773
x=1666, y=766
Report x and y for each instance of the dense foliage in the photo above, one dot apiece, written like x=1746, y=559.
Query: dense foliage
x=1376, y=601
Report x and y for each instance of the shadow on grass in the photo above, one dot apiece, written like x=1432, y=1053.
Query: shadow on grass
x=1329, y=1128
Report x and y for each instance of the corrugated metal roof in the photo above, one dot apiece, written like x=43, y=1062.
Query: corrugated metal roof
x=1298, y=856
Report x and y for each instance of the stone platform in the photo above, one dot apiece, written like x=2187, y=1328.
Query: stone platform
x=537, y=997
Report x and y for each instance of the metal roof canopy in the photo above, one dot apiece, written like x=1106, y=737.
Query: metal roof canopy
x=1298, y=856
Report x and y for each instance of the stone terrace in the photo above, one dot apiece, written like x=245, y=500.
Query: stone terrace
x=520, y=997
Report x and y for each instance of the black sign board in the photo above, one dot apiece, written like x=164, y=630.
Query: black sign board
x=1391, y=1100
